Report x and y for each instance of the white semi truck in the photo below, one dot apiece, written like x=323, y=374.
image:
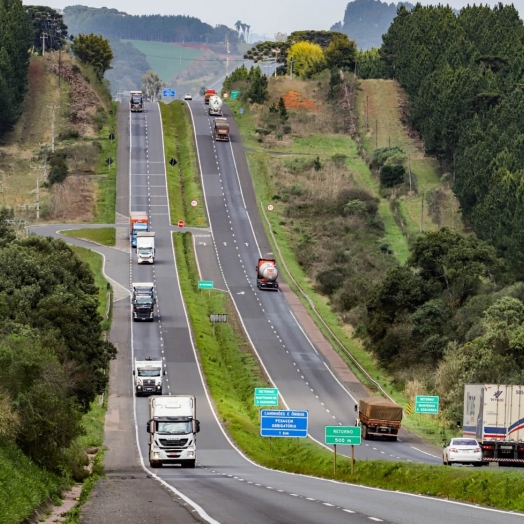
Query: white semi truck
x=494, y=415
x=215, y=106
x=148, y=375
x=145, y=247
x=172, y=428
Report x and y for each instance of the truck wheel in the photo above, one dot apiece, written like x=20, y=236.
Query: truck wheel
x=393, y=438
x=155, y=464
x=365, y=432
x=188, y=464
x=477, y=464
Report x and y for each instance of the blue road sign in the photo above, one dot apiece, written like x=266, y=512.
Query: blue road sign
x=168, y=92
x=283, y=423
x=241, y=111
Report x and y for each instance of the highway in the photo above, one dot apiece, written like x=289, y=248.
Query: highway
x=226, y=487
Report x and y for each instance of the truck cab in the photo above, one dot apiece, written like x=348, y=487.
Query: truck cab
x=172, y=428
x=148, y=375
x=137, y=101
x=143, y=301
x=145, y=247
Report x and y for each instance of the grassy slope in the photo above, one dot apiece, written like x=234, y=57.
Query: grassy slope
x=166, y=59
x=23, y=485
x=105, y=235
x=379, y=100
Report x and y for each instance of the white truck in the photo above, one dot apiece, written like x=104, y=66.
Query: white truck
x=145, y=247
x=494, y=415
x=148, y=375
x=172, y=428
x=215, y=106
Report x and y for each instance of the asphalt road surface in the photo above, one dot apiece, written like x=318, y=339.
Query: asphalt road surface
x=226, y=487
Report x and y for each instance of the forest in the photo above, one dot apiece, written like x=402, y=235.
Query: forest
x=114, y=24
x=16, y=37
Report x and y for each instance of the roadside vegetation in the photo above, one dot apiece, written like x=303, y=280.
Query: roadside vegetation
x=182, y=179
x=227, y=358
x=104, y=235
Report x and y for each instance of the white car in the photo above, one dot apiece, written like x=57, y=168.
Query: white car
x=462, y=451
x=187, y=96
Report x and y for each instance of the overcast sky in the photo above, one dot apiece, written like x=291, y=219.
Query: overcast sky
x=265, y=17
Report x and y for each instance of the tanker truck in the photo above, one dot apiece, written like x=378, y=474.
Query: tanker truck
x=215, y=106
x=267, y=273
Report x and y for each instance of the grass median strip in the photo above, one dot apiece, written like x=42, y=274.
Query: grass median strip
x=183, y=178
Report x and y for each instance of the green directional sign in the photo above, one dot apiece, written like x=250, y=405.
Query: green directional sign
x=427, y=404
x=205, y=284
x=235, y=95
x=266, y=397
x=348, y=435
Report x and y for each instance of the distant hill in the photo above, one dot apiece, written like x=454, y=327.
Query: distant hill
x=367, y=20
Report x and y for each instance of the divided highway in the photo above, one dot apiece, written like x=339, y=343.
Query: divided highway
x=226, y=487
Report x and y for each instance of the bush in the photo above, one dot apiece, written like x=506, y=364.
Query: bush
x=391, y=176
x=330, y=280
x=59, y=170
x=68, y=134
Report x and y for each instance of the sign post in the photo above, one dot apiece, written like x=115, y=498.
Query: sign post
x=216, y=318
x=344, y=435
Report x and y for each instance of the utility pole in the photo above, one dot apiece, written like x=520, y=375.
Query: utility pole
x=291, y=69
x=227, y=54
x=37, y=191
x=43, y=37
x=422, y=214
x=53, y=108
x=45, y=146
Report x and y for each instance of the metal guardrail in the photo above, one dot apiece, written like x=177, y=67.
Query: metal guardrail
x=314, y=309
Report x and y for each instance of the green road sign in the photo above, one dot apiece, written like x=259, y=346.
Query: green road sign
x=266, y=397
x=205, y=284
x=349, y=435
x=427, y=404
x=234, y=95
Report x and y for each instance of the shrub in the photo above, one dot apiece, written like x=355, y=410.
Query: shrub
x=68, y=134
x=391, y=176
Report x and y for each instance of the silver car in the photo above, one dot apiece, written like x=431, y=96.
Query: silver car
x=188, y=96
x=462, y=451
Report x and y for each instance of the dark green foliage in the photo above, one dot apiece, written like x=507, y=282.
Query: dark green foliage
x=47, y=20
x=115, y=24
x=391, y=176
x=282, y=110
x=369, y=64
x=59, y=170
x=93, y=50
x=258, y=92
x=52, y=357
x=15, y=41
x=341, y=53
x=463, y=74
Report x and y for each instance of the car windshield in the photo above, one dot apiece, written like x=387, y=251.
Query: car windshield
x=464, y=442
x=173, y=428
x=149, y=372
x=144, y=300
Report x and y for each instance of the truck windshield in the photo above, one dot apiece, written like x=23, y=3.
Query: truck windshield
x=149, y=372
x=145, y=250
x=173, y=428
x=143, y=300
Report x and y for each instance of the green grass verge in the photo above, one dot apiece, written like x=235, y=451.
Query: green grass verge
x=183, y=179
x=104, y=235
x=24, y=486
x=226, y=358
x=106, y=193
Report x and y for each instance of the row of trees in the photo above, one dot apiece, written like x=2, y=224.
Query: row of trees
x=307, y=52
x=112, y=23
x=463, y=74
x=53, y=360
x=16, y=37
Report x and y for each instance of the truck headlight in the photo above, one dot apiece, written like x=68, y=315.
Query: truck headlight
x=156, y=455
x=190, y=453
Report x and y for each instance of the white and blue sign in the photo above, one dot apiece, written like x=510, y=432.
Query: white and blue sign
x=283, y=423
x=168, y=92
x=241, y=111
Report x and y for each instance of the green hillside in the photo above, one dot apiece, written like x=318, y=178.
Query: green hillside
x=168, y=60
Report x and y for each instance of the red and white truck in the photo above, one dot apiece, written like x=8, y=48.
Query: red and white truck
x=494, y=415
x=267, y=273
